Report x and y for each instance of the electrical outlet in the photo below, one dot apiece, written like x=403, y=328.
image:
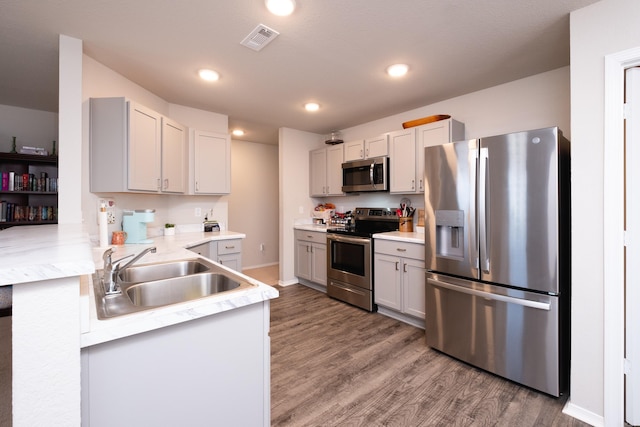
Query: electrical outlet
x=198, y=212
x=261, y=247
x=110, y=205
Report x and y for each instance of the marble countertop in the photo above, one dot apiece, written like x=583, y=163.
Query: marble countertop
x=45, y=252
x=34, y=253
x=95, y=331
x=311, y=227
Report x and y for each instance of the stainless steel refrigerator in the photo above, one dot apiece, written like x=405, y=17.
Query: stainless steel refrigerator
x=498, y=257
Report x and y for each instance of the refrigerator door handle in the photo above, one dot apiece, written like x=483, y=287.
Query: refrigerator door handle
x=473, y=220
x=483, y=208
x=490, y=296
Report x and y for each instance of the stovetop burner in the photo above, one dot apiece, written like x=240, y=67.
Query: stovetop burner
x=368, y=221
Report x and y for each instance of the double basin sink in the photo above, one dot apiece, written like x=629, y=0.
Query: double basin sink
x=156, y=285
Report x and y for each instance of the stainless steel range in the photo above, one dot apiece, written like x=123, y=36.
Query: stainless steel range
x=350, y=255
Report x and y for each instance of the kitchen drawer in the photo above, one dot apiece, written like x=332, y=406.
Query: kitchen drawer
x=229, y=246
x=311, y=236
x=405, y=250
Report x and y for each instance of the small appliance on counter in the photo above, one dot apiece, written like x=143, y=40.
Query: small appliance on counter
x=134, y=223
x=211, y=225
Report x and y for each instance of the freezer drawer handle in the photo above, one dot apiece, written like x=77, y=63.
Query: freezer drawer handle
x=488, y=295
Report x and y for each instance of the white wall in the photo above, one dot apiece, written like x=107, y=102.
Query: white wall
x=33, y=128
x=295, y=204
x=100, y=81
x=606, y=27
x=253, y=202
x=531, y=103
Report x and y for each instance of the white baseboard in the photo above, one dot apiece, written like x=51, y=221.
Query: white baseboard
x=249, y=267
x=287, y=282
x=583, y=414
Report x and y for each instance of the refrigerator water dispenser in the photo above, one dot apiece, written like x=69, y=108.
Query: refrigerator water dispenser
x=450, y=234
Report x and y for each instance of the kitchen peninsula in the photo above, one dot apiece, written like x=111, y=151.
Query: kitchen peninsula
x=50, y=268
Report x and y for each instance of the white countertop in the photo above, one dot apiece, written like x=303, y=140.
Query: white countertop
x=311, y=227
x=34, y=253
x=401, y=236
x=95, y=331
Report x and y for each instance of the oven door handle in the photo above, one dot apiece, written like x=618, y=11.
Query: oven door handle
x=348, y=239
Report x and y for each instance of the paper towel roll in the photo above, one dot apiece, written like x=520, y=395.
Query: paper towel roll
x=102, y=225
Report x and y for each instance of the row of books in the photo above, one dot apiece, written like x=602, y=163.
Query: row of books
x=28, y=182
x=12, y=212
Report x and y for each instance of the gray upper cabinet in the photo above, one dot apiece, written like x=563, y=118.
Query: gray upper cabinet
x=325, y=171
x=211, y=163
x=135, y=149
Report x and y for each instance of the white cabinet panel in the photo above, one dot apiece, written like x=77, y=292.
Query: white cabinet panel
x=431, y=134
x=325, y=171
x=174, y=156
x=211, y=163
x=135, y=149
x=402, y=161
x=399, y=277
x=388, y=281
x=365, y=148
x=311, y=256
x=354, y=150
x=145, y=139
x=376, y=147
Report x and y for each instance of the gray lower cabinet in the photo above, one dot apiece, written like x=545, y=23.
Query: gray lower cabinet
x=311, y=256
x=211, y=371
x=399, y=276
x=225, y=252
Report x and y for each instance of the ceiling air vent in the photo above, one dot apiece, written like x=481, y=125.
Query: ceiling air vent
x=259, y=37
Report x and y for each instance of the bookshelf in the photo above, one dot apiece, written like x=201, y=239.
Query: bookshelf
x=33, y=199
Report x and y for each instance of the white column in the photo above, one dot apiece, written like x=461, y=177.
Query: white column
x=70, y=131
x=46, y=353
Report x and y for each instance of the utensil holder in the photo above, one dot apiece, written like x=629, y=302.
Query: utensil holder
x=405, y=224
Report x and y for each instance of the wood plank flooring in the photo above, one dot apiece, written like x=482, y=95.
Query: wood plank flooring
x=336, y=365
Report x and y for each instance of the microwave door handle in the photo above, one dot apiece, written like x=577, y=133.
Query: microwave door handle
x=371, y=169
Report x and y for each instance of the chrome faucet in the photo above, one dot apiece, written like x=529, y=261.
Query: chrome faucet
x=112, y=268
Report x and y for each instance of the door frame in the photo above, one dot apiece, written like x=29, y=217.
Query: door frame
x=614, y=238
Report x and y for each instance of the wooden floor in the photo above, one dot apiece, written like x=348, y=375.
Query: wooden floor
x=337, y=365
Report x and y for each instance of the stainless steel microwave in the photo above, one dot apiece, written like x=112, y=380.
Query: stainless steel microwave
x=366, y=175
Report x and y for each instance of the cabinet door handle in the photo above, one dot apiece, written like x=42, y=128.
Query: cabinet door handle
x=413, y=184
x=362, y=153
x=159, y=185
x=197, y=186
x=166, y=183
x=229, y=247
x=397, y=266
x=404, y=267
x=401, y=250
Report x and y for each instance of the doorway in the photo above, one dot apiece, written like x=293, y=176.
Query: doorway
x=632, y=252
x=615, y=363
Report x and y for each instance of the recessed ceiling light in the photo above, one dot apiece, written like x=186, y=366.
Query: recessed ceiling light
x=237, y=132
x=209, y=75
x=311, y=106
x=281, y=7
x=397, y=70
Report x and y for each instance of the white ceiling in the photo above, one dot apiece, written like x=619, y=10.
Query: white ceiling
x=333, y=52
